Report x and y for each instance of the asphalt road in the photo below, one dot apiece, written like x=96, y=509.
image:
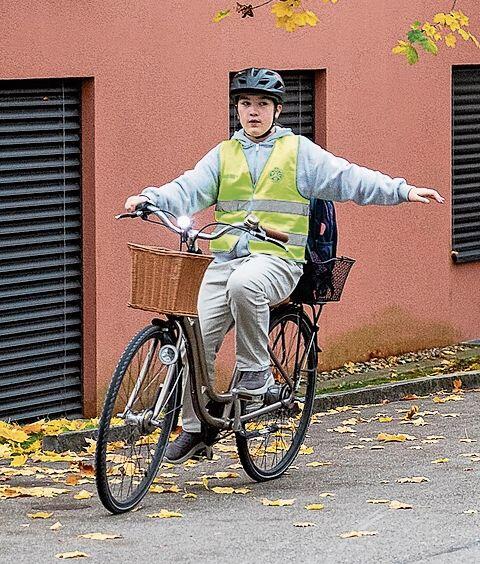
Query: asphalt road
x=442, y=525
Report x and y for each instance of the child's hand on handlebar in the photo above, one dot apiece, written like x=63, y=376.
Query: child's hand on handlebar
x=133, y=202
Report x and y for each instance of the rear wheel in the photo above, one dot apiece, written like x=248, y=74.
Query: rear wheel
x=269, y=443
x=130, y=444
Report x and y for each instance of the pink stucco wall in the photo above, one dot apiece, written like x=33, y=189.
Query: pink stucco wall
x=156, y=101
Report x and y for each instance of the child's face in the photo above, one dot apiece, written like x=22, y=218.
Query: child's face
x=256, y=113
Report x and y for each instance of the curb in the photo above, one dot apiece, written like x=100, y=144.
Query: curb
x=395, y=391
x=75, y=440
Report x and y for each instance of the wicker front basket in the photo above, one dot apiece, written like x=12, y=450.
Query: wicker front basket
x=166, y=281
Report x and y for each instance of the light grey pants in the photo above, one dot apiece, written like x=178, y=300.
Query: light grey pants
x=240, y=292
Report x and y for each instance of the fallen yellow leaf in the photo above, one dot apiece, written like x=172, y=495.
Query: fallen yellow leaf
x=190, y=495
x=277, y=502
x=222, y=475
x=242, y=490
x=385, y=419
x=353, y=534
x=39, y=515
x=12, y=433
x=306, y=449
x=164, y=514
x=391, y=438
x=83, y=494
x=75, y=554
x=316, y=463
x=344, y=429
x=19, y=460
x=412, y=480
x=220, y=490
x=8, y=492
x=56, y=526
x=440, y=460
x=314, y=506
x=164, y=489
x=437, y=399
x=99, y=536
x=395, y=504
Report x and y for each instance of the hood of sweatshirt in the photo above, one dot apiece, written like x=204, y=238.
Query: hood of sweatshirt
x=258, y=153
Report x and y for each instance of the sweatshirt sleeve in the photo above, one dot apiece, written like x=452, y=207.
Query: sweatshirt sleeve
x=321, y=174
x=192, y=191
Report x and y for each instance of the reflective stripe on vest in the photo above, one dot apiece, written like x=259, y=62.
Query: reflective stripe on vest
x=274, y=199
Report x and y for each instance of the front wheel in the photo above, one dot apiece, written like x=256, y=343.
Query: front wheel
x=131, y=443
x=269, y=443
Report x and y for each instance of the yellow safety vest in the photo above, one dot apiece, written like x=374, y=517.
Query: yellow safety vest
x=274, y=199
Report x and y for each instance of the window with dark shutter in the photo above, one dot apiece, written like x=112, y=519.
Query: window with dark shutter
x=40, y=249
x=297, y=110
x=466, y=163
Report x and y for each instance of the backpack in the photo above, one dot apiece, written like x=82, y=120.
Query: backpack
x=316, y=280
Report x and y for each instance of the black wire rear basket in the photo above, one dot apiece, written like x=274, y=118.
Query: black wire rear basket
x=322, y=281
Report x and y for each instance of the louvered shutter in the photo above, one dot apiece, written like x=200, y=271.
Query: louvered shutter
x=40, y=249
x=466, y=163
x=297, y=110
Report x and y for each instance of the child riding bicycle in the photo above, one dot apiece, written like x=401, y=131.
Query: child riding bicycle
x=266, y=170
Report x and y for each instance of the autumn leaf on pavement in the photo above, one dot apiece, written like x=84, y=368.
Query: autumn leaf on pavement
x=314, y=506
x=220, y=490
x=457, y=386
x=83, y=494
x=39, y=515
x=56, y=526
x=164, y=514
x=190, y=495
x=99, y=536
x=75, y=554
x=354, y=534
x=304, y=449
x=412, y=480
x=451, y=397
x=387, y=437
x=395, y=504
x=411, y=412
x=385, y=419
x=277, y=502
x=317, y=463
x=86, y=469
x=440, y=460
x=343, y=429
x=19, y=460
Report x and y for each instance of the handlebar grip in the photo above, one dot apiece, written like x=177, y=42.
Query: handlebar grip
x=274, y=234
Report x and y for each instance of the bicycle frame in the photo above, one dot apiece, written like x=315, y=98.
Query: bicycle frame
x=189, y=346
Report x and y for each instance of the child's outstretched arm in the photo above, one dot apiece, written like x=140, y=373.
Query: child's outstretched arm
x=424, y=195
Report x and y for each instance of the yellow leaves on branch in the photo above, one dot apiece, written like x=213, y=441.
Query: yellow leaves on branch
x=290, y=15
x=445, y=27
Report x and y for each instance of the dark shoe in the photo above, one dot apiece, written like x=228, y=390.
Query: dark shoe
x=184, y=447
x=254, y=383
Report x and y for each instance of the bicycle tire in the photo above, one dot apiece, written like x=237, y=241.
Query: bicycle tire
x=259, y=458
x=119, y=451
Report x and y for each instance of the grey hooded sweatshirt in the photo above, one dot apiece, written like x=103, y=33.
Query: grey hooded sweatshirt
x=320, y=174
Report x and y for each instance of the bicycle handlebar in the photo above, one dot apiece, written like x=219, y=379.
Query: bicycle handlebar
x=250, y=225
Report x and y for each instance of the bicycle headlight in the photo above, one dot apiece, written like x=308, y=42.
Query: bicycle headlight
x=184, y=222
x=168, y=354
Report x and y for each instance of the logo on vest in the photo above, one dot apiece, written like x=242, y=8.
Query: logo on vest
x=276, y=175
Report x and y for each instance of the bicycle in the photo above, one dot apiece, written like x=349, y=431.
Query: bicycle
x=143, y=401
